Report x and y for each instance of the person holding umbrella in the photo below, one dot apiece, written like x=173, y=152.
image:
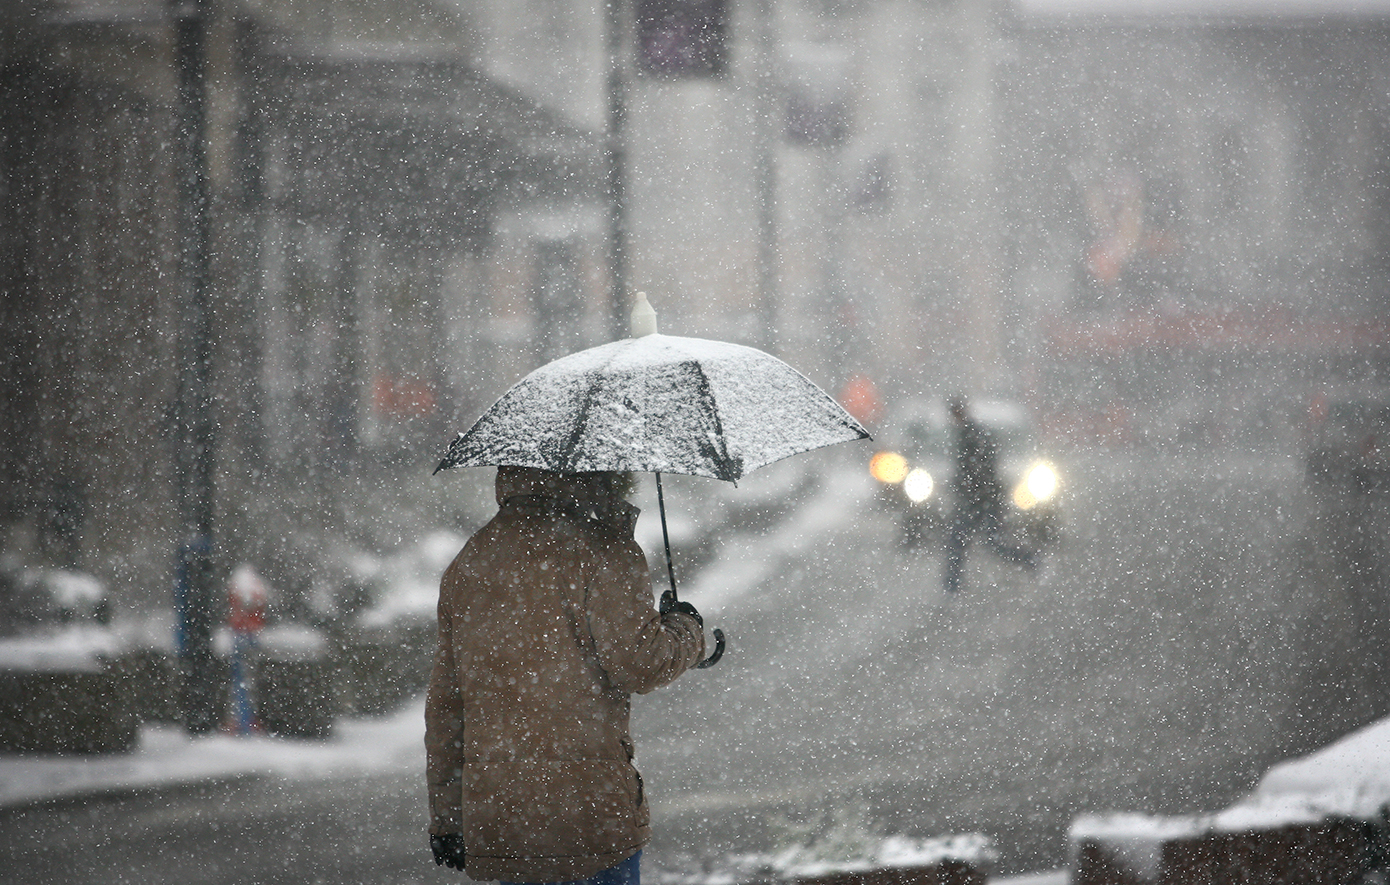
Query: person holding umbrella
x=546, y=622
x=546, y=630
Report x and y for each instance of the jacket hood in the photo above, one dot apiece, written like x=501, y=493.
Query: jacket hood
x=593, y=489
x=592, y=497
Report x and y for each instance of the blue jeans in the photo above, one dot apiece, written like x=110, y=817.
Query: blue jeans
x=626, y=873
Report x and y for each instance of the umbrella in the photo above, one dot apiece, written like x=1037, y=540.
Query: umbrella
x=659, y=404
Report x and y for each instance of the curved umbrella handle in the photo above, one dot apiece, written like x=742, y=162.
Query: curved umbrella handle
x=718, y=651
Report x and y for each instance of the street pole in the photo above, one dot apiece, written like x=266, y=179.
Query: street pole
x=767, y=129
x=197, y=604
x=839, y=332
x=614, y=26
x=979, y=210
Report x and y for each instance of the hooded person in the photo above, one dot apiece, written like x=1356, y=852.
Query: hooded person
x=546, y=630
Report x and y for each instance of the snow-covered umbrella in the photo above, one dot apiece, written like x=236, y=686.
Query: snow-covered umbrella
x=659, y=404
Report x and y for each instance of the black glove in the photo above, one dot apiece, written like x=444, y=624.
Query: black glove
x=448, y=850
x=669, y=603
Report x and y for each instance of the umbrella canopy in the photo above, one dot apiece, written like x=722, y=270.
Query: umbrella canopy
x=657, y=403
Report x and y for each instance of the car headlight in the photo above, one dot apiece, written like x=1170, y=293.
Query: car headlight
x=918, y=485
x=888, y=467
x=1039, y=484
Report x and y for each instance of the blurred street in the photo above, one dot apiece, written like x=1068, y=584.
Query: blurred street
x=1190, y=630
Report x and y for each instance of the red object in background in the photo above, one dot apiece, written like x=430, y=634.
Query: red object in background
x=1318, y=410
x=1105, y=260
x=402, y=397
x=860, y=398
x=247, y=596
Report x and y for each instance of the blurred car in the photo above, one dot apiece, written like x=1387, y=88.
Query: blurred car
x=1348, y=442
x=915, y=468
x=61, y=665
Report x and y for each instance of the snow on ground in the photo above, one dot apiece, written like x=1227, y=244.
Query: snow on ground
x=848, y=851
x=895, y=852
x=168, y=757
x=1052, y=877
x=1350, y=777
x=70, y=648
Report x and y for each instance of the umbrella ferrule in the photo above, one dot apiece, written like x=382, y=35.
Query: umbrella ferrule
x=642, y=321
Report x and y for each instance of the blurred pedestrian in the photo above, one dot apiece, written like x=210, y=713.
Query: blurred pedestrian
x=247, y=599
x=979, y=497
x=546, y=629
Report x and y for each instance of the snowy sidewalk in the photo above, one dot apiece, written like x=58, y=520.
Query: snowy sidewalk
x=168, y=757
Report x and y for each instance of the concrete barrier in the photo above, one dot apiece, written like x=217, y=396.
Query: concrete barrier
x=293, y=675
x=376, y=671
x=1330, y=852
x=65, y=712
x=1096, y=863
x=1334, y=851
x=947, y=872
x=1319, y=818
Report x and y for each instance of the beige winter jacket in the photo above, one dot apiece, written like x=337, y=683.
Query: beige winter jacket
x=546, y=629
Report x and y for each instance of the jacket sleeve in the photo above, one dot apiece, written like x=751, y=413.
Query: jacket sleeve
x=637, y=647
x=444, y=731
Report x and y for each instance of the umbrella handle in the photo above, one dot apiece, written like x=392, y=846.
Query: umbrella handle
x=671, y=573
x=718, y=651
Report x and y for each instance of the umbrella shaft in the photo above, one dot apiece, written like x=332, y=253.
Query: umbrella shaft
x=665, y=536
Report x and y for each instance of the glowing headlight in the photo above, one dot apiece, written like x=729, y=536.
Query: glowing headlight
x=918, y=486
x=888, y=467
x=1039, y=485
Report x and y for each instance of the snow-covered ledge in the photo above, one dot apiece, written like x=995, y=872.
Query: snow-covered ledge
x=1345, y=781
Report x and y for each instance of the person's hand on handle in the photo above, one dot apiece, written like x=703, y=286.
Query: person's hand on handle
x=669, y=603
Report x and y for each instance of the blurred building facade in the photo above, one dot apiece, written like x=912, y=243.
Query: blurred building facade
x=964, y=188
x=409, y=212
x=357, y=166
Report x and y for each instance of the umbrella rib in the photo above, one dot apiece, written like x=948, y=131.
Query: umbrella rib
x=705, y=390
x=581, y=420
x=454, y=455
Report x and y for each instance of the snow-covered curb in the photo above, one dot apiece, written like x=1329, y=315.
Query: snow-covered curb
x=75, y=648
x=894, y=852
x=168, y=757
x=1349, y=779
